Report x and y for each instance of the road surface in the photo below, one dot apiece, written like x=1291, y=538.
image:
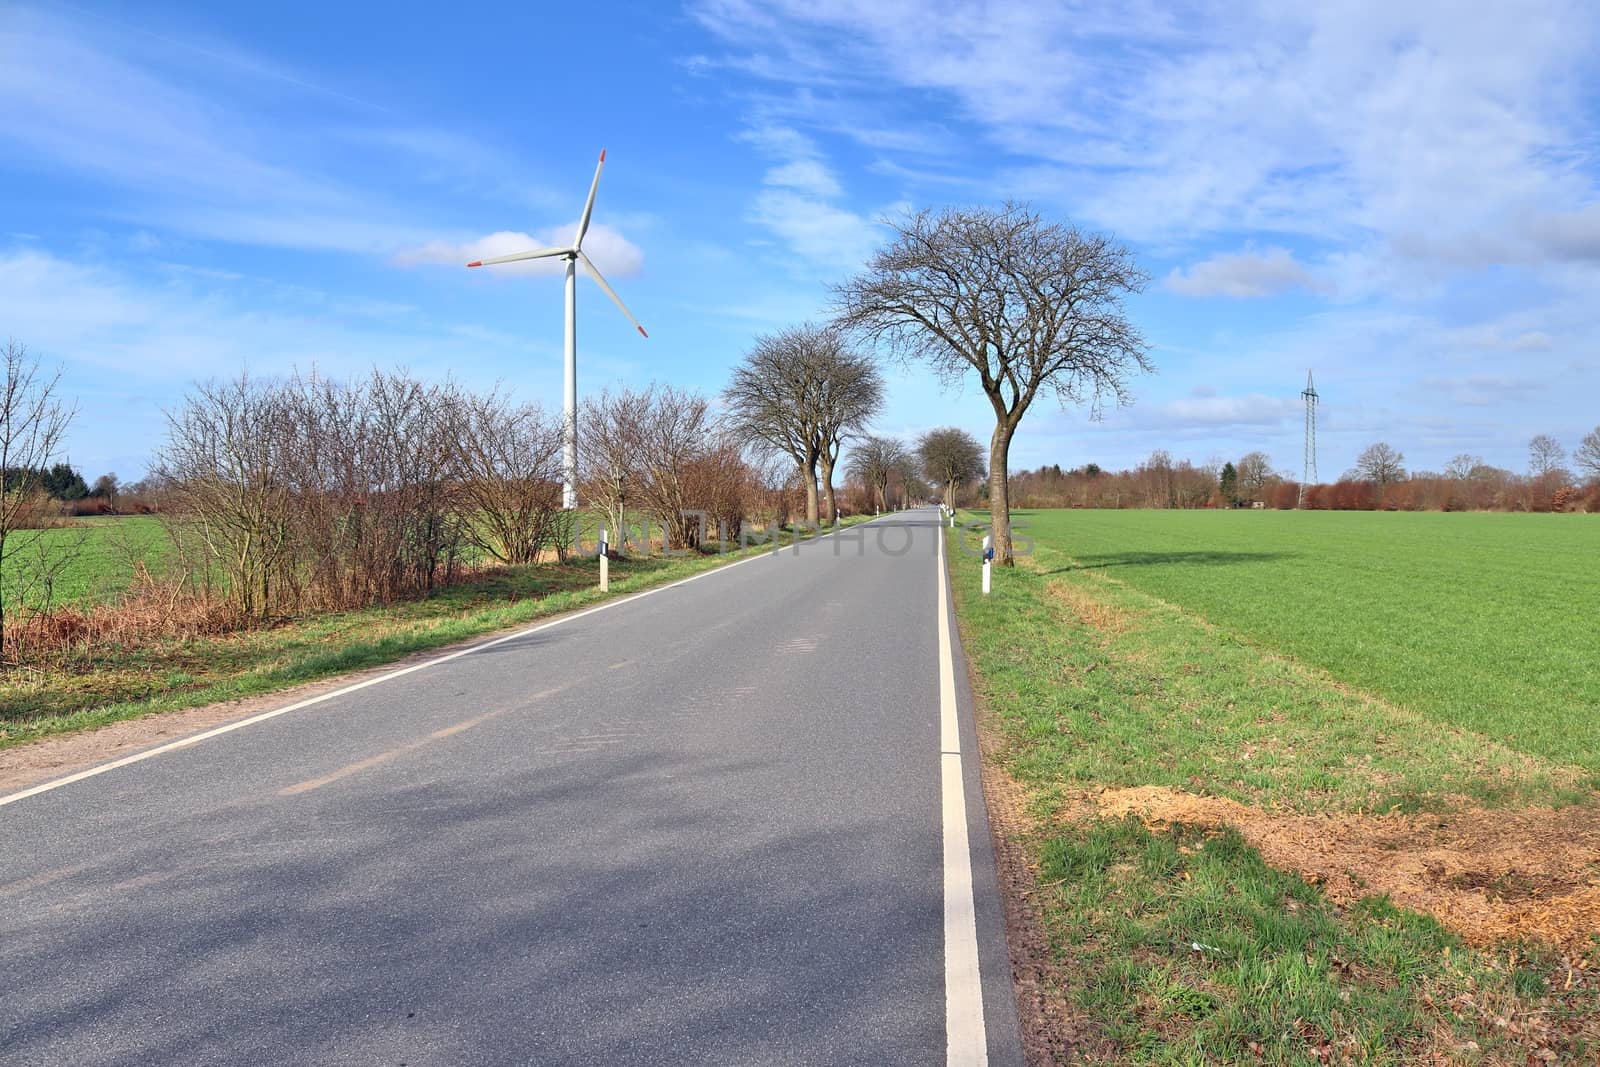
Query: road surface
x=705, y=825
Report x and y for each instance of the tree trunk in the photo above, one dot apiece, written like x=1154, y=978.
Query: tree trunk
x=950, y=495
x=809, y=476
x=830, y=503
x=1000, y=495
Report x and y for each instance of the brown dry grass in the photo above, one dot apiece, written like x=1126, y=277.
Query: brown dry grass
x=148, y=611
x=1489, y=874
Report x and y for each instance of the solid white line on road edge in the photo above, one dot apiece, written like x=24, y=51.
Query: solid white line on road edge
x=966, y=1042
x=139, y=757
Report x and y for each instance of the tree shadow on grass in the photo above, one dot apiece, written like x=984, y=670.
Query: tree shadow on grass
x=1156, y=559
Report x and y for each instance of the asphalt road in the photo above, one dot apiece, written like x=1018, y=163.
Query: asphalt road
x=700, y=827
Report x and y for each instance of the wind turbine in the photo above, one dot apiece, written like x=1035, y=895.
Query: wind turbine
x=569, y=435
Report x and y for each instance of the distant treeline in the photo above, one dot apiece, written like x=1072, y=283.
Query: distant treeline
x=59, y=490
x=1468, y=484
x=58, y=482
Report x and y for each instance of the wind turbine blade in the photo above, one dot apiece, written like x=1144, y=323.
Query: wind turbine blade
x=612, y=293
x=537, y=253
x=588, y=206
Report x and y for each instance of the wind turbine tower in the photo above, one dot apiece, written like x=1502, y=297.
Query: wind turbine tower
x=573, y=255
x=1309, y=477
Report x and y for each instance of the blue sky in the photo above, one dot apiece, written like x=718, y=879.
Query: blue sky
x=1405, y=198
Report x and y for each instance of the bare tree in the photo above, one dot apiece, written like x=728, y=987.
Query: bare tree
x=1545, y=456
x=1026, y=304
x=1381, y=464
x=508, y=460
x=951, y=458
x=33, y=421
x=800, y=393
x=1588, y=454
x=1254, y=471
x=873, y=462
x=1461, y=466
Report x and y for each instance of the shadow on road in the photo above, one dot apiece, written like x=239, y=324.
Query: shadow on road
x=547, y=914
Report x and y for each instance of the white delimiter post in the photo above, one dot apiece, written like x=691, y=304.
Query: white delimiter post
x=569, y=410
x=988, y=555
x=605, y=562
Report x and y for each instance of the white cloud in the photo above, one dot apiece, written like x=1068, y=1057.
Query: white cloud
x=1497, y=337
x=131, y=337
x=176, y=138
x=1486, y=390
x=807, y=176
x=614, y=254
x=1440, y=137
x=800, y=202
x=1244, y=274
x=1205, y=408
x=157, y=324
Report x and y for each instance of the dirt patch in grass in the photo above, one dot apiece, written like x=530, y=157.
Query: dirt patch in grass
x=1491, y=875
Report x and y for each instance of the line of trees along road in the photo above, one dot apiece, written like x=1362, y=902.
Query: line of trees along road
x=952, y=459
x=801, y=393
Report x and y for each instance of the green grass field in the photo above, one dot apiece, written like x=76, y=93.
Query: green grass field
x=103, y=551
x=1489, y=622
x=1392, y=668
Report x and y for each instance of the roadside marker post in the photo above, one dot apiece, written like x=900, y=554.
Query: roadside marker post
x=988, y=558
x=605, y=562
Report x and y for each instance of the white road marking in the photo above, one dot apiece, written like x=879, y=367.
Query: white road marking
x=139, y=757
x=966, y=1042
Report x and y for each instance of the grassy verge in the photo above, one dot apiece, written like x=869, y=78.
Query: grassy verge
x=1172, y=934
x=110, y=684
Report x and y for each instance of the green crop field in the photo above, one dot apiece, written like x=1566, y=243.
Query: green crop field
x=102, y=551
x=1490, y=622
x=1302, y=787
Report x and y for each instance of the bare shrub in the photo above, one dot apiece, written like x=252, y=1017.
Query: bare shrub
x=227, y=459
x=33, y=421
x=508, y=459
x=611, y=469
x=674, y=431
x=725, y=486
x=316, y=494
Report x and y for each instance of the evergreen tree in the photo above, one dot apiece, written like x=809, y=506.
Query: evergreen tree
x=1228, y=483
x=64, y=483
